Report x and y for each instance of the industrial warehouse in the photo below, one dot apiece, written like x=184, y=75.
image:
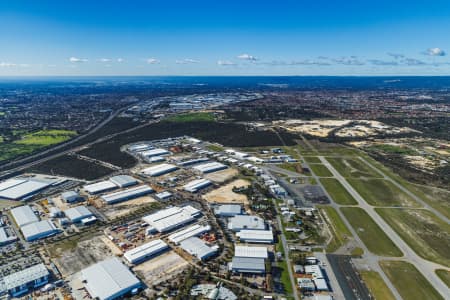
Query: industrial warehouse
x=209, y=167
x=196, y=185
x=146, y=251
x=186, y=233
x=159, y=170
x=127, y=194
x=171, y=218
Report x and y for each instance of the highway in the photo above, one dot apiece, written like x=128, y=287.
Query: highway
x=426, y=267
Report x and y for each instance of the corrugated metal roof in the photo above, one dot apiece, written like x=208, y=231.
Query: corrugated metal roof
x=170, y=218
x=155, y=152
x=127, y=194
x=38, y=230
x=255, y=235
x=145, y=250
x=25, y=276
x=159, y=169
x=197, y=248
x=24, y=215
x=99, y=187
x=123, y=180
x=10, y=183
x=210, y=167
x=228, y=209
x=248, y=263
x=191, y=231
x=23, y=189
x=240, y=222
x=196, y=185
x=77, y=213
x=108, y=279
x=250, y=251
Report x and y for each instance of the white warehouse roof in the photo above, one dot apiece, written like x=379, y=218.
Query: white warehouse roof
x=24, y=215
x=250, y=251
x=196, y=185
x=210, y=167
x=255, y=236
x=20, y=190
x=123, y=180
x=127, y=194
x=76, y=214
x=198, y=248
x=191, y=231
x=99, y=187
x=160, y=169
x=38, y=230
x=145, y=251
x=239, y=222
x=109, y=279
x=154, y=152
x=25, y=276
x=170, y=218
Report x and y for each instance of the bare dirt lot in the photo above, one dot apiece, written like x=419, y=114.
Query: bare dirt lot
x=73, y=256
x=123, y=208
x=225, y=193
x=161, y=268
x=222, y=176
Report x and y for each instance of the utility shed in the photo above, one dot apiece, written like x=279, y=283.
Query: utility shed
x=109, y=279
x=198, y=248
x=38, y=230
x=20, y=282
x=228, y=210
x=145, y=251
x=99, y=187
x=248, y=265
x=127, y=194
x=123, y=180
x=239, y=222
x=6, y=236
x=23, y=215
x=256, y=236
x=76, y=214
x=248, y=251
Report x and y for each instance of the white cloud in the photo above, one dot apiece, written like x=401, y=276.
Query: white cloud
x=77, y=60
x=153, y=61
x=119, y=60
x=186, y=61
x=434, y=52
x=225, y=63
x=246, y=56
x=7, y=64
x=104, y=60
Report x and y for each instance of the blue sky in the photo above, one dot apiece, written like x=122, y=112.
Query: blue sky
x=152, y=37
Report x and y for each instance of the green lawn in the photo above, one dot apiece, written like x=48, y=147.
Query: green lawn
x=409, y=282
x=337, y=191
x=320, y=170
x=444, y=275
x=341, y=234
x=426, y=234
x=376, y=285
x=312, y=159
x=352, y=167
x=380, y=192
x=192, y=117
x=370, y=233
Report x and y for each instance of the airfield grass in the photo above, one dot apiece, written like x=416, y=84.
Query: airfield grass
x=444, y=275
x=312, y=159
x=426, y=234
x=46, y=137
x=337, y=191
x=191, y=117
x=409, y=282
x=370, y=233
x=435, y=197
x=293, y=167
x=320, y=170
x=380, y=192
x=352, y=167
x=377, y=287
x=341, y=233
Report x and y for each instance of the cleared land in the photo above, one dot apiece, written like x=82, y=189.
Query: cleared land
x=222, y=176
x=437, y=198
x=338, y=192
x=117, y=210
x=341, y=234
x=370, y=233
x=46, y=137
x=352, y=167
x=192, y=117
x=444, y=275
x=408, y=281
x=320, y=170
x=8, y=204
x=225, y=193
x=379, y=192
x=427, y=235
x=376, y=285
x=312, y=159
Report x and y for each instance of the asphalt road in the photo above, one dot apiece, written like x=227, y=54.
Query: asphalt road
x=426, y=267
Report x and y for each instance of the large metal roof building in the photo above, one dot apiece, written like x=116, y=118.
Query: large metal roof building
x=18, y=283
x=109, y=280
x=186, y=233
x=239, y=222
x=250, y=251
x=256, y=236
x=77, y=213
x=160, y=169
x=100, y=187
x=145, y=251
x=248, y=265
x=123, y=180
x=127, y=194
x=38, y=230
x=209, y=167
x=228, y=210
x=170, y=218
x=196, y=185
x=154, y=152
x=198, y=248
x=15, y=189
x=23, y=215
